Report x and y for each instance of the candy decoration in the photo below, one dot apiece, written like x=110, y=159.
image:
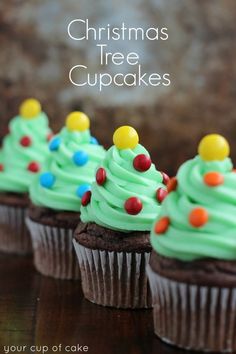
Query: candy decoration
x=133, y=206
x=82, y=189
x=101, y=176
x=47, y=180
x=213, y=147
x=25, y=141
x=77, y=121
x=54, y=144
x=80, y=158
x=50, y=136
x=86, y=198
x=142, y=163
x=125, y=137
x=213, y=179
x=162, y=225
x=165, y=177
x=33, y=167
x=161, y=194
x=172, y=185
x=93, y=141
x=198, y=217
x=1, y=167
x=30, y=108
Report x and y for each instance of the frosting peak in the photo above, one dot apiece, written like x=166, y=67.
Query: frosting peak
x=128, y=190
x=24, y=148
x=74, y=157
x=201, y=209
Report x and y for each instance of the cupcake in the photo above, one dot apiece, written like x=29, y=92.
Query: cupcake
x=112, y=243
x=21, y=158
x=56, y=197
x=192, y=269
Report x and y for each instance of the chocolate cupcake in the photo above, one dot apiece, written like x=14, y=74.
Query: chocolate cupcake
x=112, y=244
x=22, y=156
x=192, y=270
x=56, y=197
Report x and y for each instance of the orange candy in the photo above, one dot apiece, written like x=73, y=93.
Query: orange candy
x=198, y=217
x=213, y=179
x=162, y=225
x=172, y=185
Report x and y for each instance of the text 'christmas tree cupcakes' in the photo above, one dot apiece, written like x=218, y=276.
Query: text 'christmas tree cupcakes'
x=113, y=243
x=192, y=269
x=22, y=157
x=56, y=197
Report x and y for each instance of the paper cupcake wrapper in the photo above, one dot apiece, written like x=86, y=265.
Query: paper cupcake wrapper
x=14, y=236
x=54, y=254
x=116, y=279
x=192, y=316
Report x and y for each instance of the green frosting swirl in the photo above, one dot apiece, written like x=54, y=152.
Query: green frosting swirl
x=106, y=207
x=15, y=158
x=63, y=194
x=215, y=239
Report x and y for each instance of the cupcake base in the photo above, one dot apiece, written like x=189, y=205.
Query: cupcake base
x=193, y=316
x=14, y=236
x=54, y=254
x=113, y=277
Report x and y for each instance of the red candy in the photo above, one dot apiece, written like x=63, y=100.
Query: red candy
x=161, y=194
x=198, y=217
x=172, y=185
x=50, y=136
x=25, y=141
x=213, y=179
x=133, y=205
x=1, y=167
x=86, y=198
x=142, y=163
x=162, y=225
x=33, y=167
x=165, y=177
x=101, y=176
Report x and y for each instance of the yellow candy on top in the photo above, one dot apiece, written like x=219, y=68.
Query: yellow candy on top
x=213, y=147
x=125, y=137
x=77, y=121
x=30, y=108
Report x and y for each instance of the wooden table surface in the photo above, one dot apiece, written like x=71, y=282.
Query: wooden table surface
x=36, y=310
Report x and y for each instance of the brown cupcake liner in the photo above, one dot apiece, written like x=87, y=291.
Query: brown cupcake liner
x=116, y=279
x=192, y=316
x=54, y=254
x=14, y=236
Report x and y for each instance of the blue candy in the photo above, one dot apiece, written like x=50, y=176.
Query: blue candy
x=93, y=141
x=55, y=144
x=47, y=180
x=82, y=189
x=80, y=158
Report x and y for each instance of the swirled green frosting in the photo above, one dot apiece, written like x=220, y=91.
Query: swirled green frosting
x=68, y=177
x=15, y=158
x=123, y=181
x=217, y=237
